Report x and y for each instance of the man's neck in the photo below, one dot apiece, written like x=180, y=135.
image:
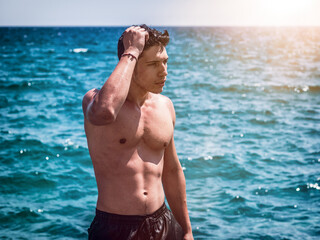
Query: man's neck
x=137, y=95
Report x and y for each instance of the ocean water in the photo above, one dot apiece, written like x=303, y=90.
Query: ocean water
x=247, y=133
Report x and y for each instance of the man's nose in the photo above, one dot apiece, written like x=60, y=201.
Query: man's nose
x=163, y=70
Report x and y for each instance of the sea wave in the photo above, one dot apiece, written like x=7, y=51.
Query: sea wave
x=297, y=89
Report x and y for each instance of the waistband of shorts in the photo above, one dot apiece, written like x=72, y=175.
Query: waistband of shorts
x=130, y=219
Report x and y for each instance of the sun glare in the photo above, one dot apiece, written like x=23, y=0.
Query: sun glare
x=285, y=7
x=286, y=12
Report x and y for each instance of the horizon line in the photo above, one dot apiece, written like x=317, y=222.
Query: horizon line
x=155, y=25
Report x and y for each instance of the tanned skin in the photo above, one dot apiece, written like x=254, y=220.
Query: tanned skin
x=129, y=128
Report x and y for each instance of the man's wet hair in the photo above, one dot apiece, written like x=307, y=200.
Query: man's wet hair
x=156, y=38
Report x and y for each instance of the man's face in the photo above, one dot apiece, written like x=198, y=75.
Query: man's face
x=151, y=70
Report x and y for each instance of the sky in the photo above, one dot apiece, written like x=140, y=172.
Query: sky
x=160, y=12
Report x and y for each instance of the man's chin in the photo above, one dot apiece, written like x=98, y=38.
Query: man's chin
x=157, y=91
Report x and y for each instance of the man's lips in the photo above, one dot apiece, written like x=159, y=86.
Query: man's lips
x=161, y=82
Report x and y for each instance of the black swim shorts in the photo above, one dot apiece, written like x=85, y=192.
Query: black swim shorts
x=157, y=226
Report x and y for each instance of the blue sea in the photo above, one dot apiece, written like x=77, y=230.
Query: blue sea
x=247, y=133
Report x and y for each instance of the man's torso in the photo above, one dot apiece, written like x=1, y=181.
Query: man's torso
x=127, y=156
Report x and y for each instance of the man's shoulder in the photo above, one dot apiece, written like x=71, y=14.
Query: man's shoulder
x=91, y=93
x=87, y=98
x=164, y=99
x=167, y=103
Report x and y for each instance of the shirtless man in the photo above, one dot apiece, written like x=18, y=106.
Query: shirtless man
x=129, y=128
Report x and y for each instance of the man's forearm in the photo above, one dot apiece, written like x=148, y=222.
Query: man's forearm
x=175, y=190
x=114, y=92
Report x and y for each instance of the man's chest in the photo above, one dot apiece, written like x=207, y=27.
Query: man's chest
x=152, y=126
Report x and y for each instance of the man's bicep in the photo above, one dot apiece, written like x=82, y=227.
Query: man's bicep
x=171, y=110
x=171, y=160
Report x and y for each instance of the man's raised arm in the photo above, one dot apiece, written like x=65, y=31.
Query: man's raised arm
x=102, y=106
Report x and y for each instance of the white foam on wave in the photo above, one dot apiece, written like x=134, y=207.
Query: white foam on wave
x=316, y=186
x=79, y=50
